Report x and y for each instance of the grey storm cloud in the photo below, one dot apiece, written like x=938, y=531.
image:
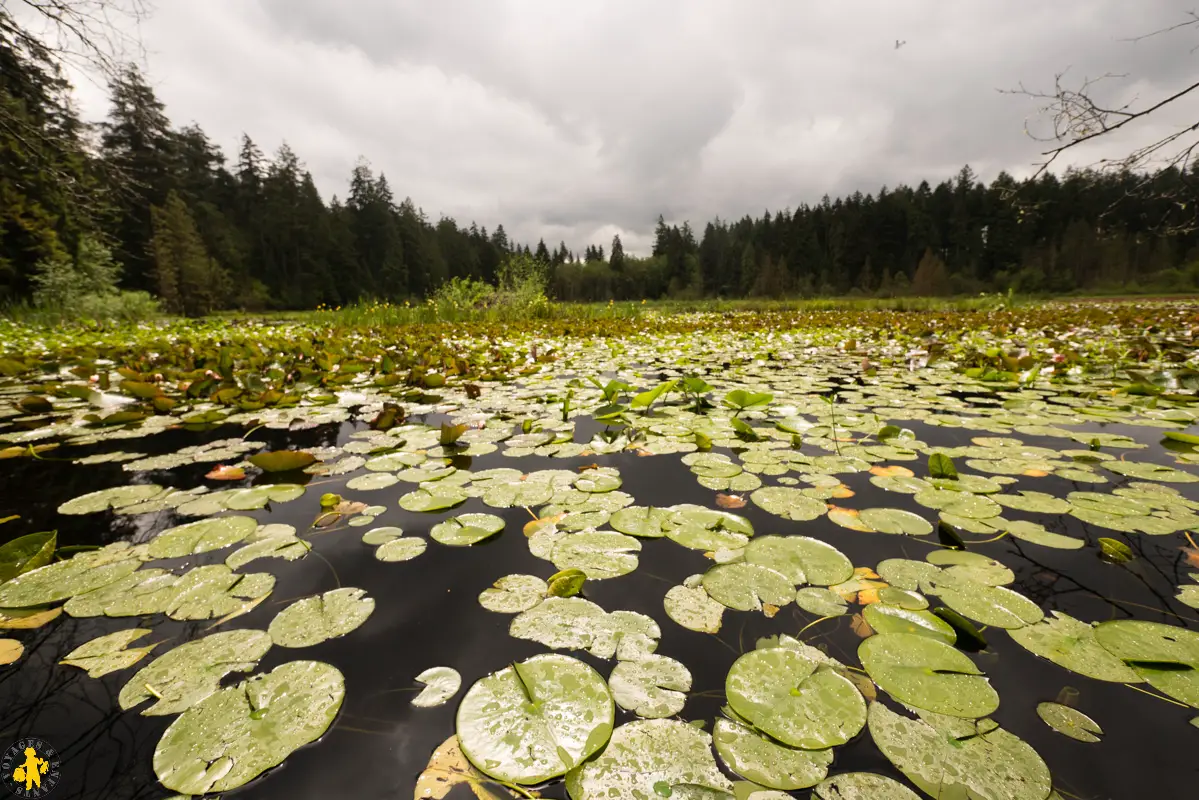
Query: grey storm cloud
x=577, y=120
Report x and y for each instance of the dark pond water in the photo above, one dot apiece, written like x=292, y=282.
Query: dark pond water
x=427, y=614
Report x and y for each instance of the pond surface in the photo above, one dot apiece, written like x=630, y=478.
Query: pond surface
x=427, y=612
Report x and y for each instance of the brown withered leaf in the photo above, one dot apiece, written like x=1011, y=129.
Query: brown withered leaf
x=730, y=500
x=226, y=472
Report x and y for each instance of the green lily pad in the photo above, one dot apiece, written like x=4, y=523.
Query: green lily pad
x=513, y=594
x=895, y=521
x=404, y=548
x=821, y=602
x=202, y=536
x=1069, y=722
x=261, y=496
x=378, y=536
x=928, y=673
x=213, y=590
x=184, y=676
x=651, y=759
x=640, y=521
x=893, y=619
x=1165, y=656
x=116, y=497
x=971, y=506
x=573, y=623
x=800, y=559
x=1037, y=502
x=110, y=653
x=286, y=546
x=372, y=482
x=747, y=587
x=26, y=553
x=536, y=719
x=1071, y=643
x=788, y=503
x=441, y=683
x=696, y=537
x=316, y=619
x=651, y=688
x=972, y=566
x=466, y=529
x=83, y=573
x=795, y=699
x=282, y=460
x=236, y=734
x=902, y=598
x=1034, y=533
x=996, y=606
x=567, y=583
x=951, y=757
x=863, y=786
x=432, y=500
x=1149, y=472
x=692, y=608
x=146, y=591
x=908, y=574
x=599, y=554
x=757, y=758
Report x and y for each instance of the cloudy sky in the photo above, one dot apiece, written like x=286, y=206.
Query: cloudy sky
x=576, y=120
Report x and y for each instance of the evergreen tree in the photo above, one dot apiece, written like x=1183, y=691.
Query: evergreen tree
x=188, y=280
x=616, y=257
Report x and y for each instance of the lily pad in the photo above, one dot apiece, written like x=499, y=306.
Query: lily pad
x=536, y=719
x=821, y=602
x=432, y=500
x=952, y=757
x=692, y=608
x=63, y=579
x=800, y=559
x=466, y=529
x=286, y=546
x=322, y=617
x=895, y=521
x=928, y=673
x=236, y=734
x=599, y=554
x=512, y=594
x=640, y=521
x=116, y=497
x=282, y=460
x=972, y=566
x=795, y=699
x=757, y=758
x=1071, y=643
x=863, y=786
x=26, y=553
x=1165, y=656
x=441, y=683
x=404, y=548
x=652, y=688
x=788, y=503
x=184, y=676
x=202, y=536
x=110, y=653
x=893, y=619
x=747, y=587
x=996, y=606
x=1038, y=502
x=651, y=759
x=1069, y=722
x=10, y=651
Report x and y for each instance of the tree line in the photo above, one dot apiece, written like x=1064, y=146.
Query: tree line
x=161, y=210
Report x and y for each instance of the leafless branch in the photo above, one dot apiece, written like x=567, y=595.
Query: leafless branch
x=97, y=36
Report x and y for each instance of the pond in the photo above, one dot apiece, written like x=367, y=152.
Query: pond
x=751, y=563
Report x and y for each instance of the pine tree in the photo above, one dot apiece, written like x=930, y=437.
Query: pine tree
x=188, y=280
x=931, y=278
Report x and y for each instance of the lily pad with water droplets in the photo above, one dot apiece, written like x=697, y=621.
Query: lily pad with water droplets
x=236, y=734
x=691, y=607
x=650, y=759
x=1037, y=502
x=190, y=672
x=83, y=573
x=1165, y=656
x=404, y=548
x=795, y=699
x=441, y=683
x=1034, y=533
x=996, y=606
x=800, y=559
x=317, y=619
x=929, y=674
x=821, y=601
x=747, y=587
x=116, y=497
x=788, y=503
x=202, y=536
x=110, y=653
x=652, y=688
x=466, y=529
x=1071, y=643
x=26, y=553
x=972, y=566
x=433, y=500
x=600, y=554
x=757, y=758
x=1069, y=722
x=536, y=719
x=895, y=521
x=893, y=619
x=286, y=546
x=863, y=786
x=642, y=522
x=513, y=594
x=951, y=757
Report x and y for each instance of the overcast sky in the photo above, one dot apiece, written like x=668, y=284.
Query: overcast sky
x=576, y=120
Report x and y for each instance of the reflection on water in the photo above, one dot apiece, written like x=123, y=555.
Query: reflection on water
x=427, y=615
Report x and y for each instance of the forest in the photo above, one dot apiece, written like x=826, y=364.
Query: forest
x=159, y=211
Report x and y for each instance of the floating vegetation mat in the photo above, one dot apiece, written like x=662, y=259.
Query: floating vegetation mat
x=707, y=556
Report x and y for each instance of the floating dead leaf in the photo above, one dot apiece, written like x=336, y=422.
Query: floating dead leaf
x=1191, y=555
x=447, y=768
x=864, y=684
x=1035, y=473
x=842, y=491
x=349, y=507
x=28, y=619
x=472, y=390
x=769, y=610
x=892, y=471
x=730, y=500
x=225, y=472
x=847, y=518
x=535, y=525
x=862, y=588
x=10, y=650
x=641, y=451
x=586, y=467
x=860, y=626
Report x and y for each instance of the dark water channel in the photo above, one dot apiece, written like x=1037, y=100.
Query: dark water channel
x=427, y=615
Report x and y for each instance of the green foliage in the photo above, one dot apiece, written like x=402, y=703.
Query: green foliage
x=189, y=281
